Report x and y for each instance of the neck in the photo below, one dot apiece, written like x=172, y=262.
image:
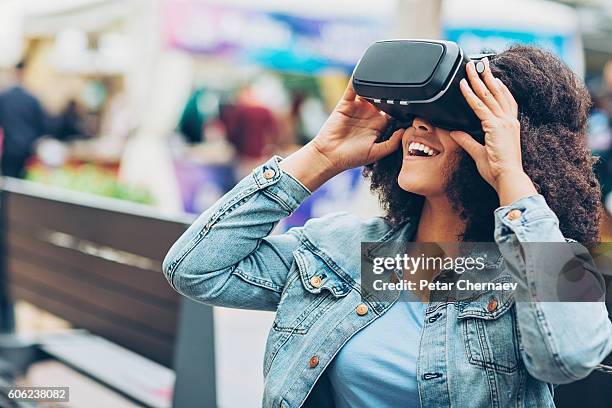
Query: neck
x=439, y=222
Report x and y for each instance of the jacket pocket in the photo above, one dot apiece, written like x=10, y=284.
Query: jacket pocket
x=489, y=331
x=311, y=289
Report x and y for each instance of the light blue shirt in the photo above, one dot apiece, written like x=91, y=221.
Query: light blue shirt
x=377, y=366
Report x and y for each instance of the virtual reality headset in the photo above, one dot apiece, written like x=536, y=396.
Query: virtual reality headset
x=418, y=78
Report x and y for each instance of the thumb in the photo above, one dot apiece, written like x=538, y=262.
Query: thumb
x=468, y=143
x=382, y=149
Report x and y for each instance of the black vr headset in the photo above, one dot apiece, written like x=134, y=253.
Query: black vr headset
x=409, y=78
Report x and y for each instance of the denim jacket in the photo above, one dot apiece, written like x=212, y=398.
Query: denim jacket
x=471, y=355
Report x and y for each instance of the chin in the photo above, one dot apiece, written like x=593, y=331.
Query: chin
x=420, y=181
x=413, y=184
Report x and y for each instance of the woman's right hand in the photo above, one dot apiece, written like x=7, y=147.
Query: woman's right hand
x=348, y=137
x=346, y=140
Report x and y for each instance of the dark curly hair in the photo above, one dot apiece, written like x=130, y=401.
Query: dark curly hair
x=553, y=108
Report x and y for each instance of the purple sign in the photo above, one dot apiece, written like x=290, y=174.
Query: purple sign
x=275, y=40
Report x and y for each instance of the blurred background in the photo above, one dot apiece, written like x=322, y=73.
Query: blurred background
x=123, y=119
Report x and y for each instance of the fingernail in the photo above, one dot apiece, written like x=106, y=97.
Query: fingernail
x=463, y=82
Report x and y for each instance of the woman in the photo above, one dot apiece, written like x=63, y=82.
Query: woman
x=531, y=181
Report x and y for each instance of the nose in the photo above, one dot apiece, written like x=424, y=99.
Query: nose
x=422, y=125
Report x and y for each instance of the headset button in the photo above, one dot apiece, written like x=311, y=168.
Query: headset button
x=480, y=67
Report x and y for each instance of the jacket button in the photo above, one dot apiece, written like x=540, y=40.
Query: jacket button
x=362, y=309
x=314, y=361
x=268, y=174
x=514, y=215
x=315, y=281
x=492, y=306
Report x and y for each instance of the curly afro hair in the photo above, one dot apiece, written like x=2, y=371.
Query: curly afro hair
x=553, y=108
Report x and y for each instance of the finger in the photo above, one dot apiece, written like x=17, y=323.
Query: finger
x=509, y=97
x=377, y=120
x=481, y=90
x=493, y=86
x=382, y=149
x=469, y=144
x=479, y=107
x=349, y=93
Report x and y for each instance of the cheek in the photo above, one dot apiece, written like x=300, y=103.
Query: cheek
x=448, y=143
x=450, y=166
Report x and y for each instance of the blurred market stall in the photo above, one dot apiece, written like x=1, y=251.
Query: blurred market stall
x=169, y=103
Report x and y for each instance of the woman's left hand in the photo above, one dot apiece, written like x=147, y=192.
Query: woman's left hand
x=499, y=160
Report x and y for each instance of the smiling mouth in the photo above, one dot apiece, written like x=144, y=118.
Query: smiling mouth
x=421, y=150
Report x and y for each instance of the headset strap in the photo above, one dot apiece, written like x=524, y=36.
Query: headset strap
x=606, y=369
x=481, y=56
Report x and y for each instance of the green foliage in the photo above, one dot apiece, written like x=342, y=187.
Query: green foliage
x=91, y=179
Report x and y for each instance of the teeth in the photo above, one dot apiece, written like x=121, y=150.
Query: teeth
x=421, y=147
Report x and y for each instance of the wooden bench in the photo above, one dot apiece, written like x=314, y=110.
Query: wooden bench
x=96, y=263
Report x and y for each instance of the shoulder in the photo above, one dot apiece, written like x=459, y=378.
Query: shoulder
x=16, y=93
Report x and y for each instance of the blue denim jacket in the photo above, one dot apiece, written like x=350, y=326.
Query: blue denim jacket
x=471, y=355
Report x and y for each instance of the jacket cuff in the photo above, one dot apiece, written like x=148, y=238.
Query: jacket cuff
x=279, y=185
x=514, y=218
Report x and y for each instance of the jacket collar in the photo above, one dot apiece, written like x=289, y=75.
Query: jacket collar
x=394, y=240
x=340, y=246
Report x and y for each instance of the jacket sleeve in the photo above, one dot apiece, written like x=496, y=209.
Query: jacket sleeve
x=561, y=341
x=227, y=257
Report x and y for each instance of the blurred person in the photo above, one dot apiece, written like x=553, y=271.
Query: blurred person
x=69, y=125
x=532, y=181
x=606, y=94
x=23, y=121
x=600, y=142
x=193, y=119
x=251, y=128
x=600, y=134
